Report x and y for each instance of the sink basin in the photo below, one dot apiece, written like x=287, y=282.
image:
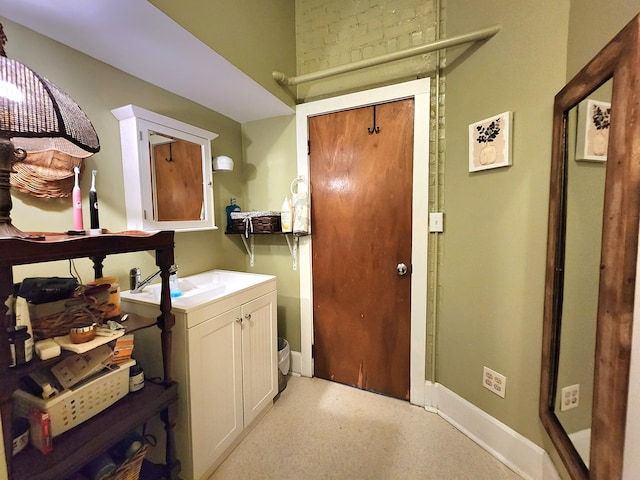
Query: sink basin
x=193, y=291
x=199, y=288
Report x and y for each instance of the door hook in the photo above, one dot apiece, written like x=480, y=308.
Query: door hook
x=375, y=128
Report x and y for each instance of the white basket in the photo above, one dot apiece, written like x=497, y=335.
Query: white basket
x=72, y=407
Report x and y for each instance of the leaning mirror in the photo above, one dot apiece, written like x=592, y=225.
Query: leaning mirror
x=167, y=172
x=594, y=206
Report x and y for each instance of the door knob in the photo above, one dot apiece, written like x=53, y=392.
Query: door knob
x=402, y=269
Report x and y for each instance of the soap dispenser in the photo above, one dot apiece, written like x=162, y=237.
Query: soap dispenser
x=232, y=207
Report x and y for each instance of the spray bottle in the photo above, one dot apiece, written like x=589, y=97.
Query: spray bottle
x=76, y=196
x=93, y=204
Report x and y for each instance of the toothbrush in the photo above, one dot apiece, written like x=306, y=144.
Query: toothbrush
x=77, y=203
x=93, y=202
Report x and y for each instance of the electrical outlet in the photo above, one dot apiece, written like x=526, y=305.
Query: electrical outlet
x=570, y=397
x=494, y=381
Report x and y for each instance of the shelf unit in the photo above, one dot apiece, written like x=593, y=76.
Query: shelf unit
x=76, y=447
x=291, y=238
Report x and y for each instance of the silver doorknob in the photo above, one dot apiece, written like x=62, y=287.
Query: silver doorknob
x=402, y=269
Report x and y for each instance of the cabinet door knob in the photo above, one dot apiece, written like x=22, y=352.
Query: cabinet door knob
x=239, y=320
x=247, y=316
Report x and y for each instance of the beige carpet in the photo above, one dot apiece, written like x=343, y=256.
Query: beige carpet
x=324, y=430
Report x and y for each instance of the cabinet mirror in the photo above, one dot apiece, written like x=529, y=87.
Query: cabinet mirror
x=592, y=249
x=167, y=172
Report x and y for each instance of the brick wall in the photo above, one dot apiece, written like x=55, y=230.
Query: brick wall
x=336, y=32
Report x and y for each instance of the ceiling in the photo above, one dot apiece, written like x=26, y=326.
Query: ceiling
x=132, y=34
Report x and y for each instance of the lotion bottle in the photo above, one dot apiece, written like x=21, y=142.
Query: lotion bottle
x=286, y=215
x=76, y=196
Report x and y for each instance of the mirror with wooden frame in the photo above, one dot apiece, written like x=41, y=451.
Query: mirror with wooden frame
x=167, y=170
x=594, y=210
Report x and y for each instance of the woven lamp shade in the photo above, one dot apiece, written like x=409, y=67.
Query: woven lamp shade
x=44, y=121
x=37, y=115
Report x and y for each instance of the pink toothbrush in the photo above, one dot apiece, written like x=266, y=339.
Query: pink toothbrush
x=77, y=203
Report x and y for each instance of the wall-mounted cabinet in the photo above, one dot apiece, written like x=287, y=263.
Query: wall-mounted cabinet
x=167, y=172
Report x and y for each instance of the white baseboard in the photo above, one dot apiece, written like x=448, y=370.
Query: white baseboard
x=508, y=446
x=296, y=363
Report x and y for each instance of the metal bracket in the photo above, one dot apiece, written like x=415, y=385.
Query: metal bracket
x=293, y=248
x=249, y=246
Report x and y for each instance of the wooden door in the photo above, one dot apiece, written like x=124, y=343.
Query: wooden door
x=361, y=231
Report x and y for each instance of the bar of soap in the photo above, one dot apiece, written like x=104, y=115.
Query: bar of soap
x=47, y=348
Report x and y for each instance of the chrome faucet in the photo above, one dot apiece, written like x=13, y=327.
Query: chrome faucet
x=140, y=285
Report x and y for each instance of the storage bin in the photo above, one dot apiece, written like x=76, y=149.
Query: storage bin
x=284, y=363
x=255, y=222
x=72, y=407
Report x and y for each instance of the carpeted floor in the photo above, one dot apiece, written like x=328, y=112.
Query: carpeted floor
x=324, y=430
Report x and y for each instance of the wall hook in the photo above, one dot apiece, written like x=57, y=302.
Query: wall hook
x=375, y=128
x=170, y=159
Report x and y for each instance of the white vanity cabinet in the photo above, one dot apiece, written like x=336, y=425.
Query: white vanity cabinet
x=225, y=363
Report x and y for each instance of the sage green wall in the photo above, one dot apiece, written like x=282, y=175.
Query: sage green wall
x=257, y=36
x=98, y=88
x=591, y=26
x=270, y=165
x=494, y=244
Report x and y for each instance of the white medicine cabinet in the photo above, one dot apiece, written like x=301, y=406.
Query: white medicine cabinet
x=167, y=172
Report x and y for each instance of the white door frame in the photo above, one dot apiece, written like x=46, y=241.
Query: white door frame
x=420, y=91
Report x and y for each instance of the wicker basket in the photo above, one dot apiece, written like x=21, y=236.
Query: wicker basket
x=46, y=174
x=69, y=313
x=130, y=469
x=255, y=222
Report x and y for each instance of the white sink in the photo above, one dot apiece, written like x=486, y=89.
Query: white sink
x=198, y=289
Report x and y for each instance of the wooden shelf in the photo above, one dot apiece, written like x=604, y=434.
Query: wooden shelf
x=81, y=444
x=292, y=242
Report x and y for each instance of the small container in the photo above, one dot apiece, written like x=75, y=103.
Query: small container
x=114, y=294
x=20, y=345
x=136, y=378
x=127, y=447
x=100, y=467
x=20, y=431
x=174, y=286
x=82, y=334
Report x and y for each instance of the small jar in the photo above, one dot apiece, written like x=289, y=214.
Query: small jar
x=20, y=345
x=114, y=295
x=136, y=378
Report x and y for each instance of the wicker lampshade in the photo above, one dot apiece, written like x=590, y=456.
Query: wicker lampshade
x=35, y=115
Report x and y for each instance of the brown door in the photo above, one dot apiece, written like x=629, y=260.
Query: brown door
x=361, y=231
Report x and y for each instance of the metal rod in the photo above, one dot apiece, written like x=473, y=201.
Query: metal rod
x=481, y=34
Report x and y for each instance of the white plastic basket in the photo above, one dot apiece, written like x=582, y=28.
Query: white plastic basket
x=72, y=407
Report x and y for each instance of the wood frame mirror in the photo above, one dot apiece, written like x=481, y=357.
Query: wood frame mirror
x=618, y=62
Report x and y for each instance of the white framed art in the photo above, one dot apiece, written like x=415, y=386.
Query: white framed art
x=592, y=139
x=490, y=142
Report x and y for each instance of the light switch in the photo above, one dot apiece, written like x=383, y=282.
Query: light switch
x=436, y=222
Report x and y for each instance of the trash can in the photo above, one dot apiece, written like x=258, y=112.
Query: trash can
x=284, y=363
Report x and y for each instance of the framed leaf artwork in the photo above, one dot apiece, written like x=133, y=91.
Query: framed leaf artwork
x=592, y=139
x=490, y=142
